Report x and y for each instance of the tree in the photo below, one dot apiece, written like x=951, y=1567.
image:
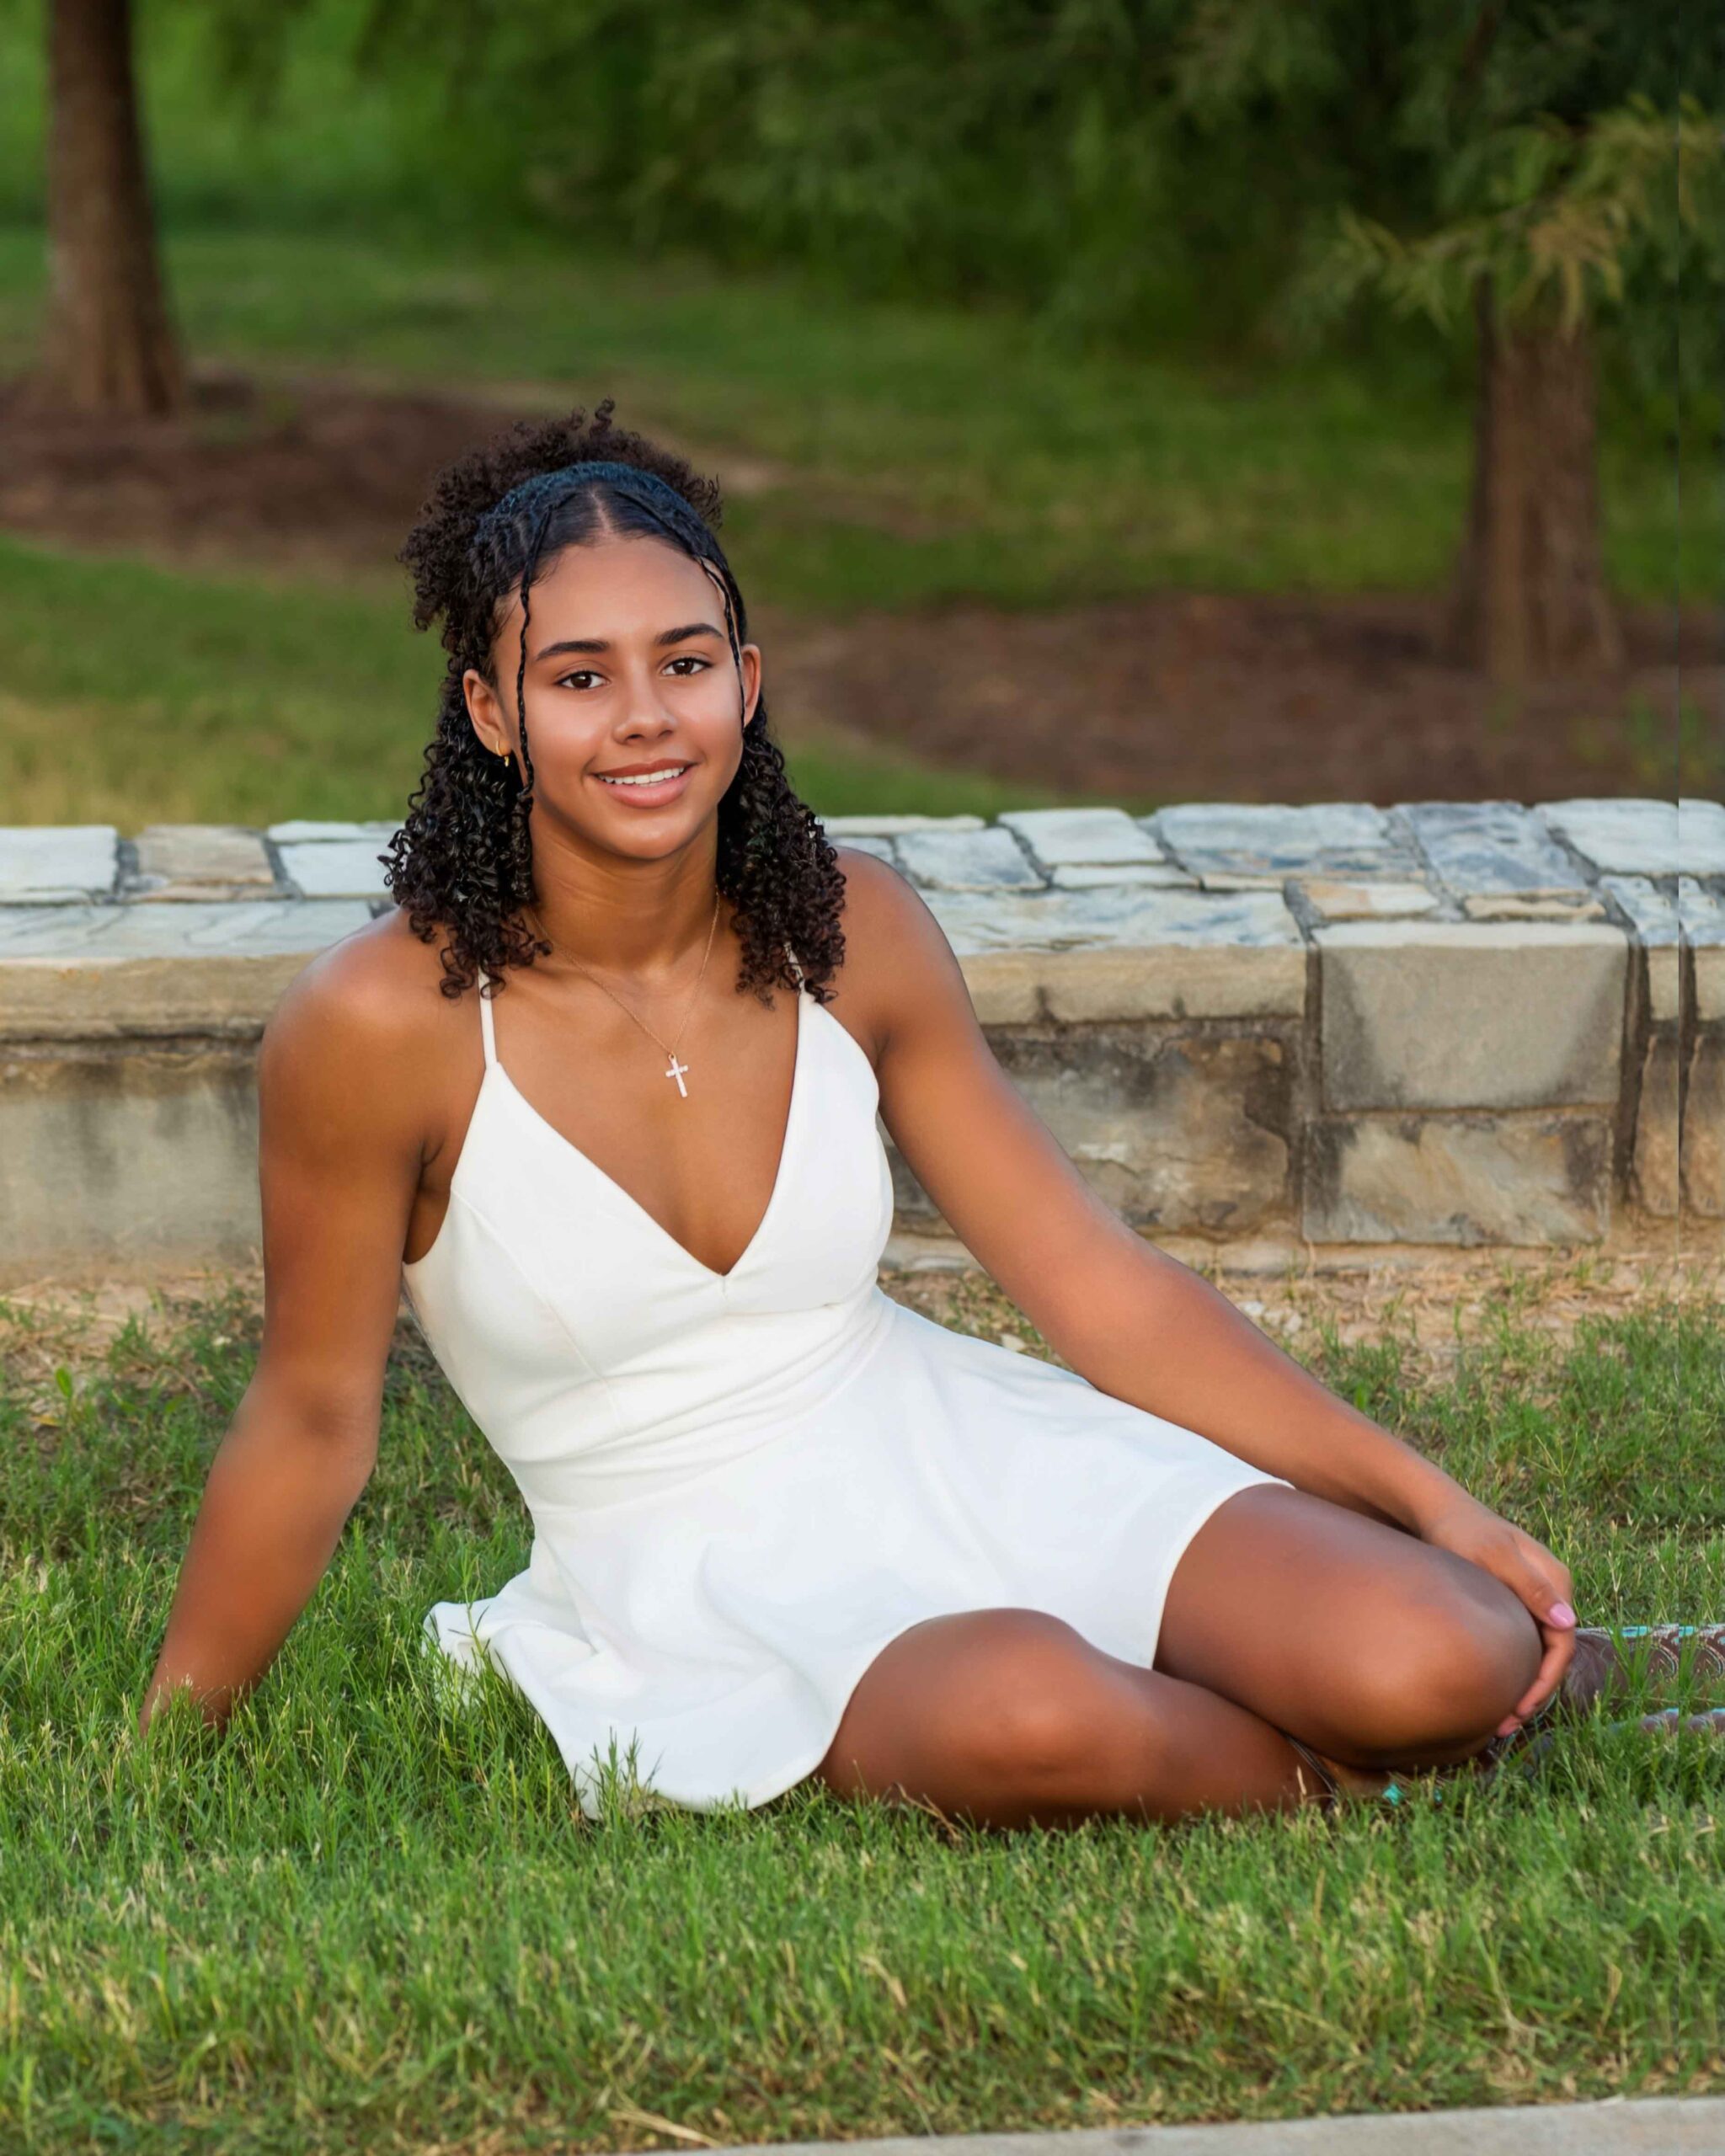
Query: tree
x=1534, y=165
x=1536, y=266
x=107, y=344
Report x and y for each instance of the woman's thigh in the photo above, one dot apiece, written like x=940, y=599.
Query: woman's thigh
x=984, y=1701
x=1346, y=1631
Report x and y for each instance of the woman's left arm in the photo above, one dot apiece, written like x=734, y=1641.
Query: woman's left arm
x=1153, y=1331
x=1131, y=1318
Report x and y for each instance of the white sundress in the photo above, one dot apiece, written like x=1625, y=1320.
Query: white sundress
x=744, y=1485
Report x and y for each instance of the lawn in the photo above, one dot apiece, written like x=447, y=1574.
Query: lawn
x=913, y=454
x=138, y=694
x=901, y=458
x=368, y=1918
x=900, y=455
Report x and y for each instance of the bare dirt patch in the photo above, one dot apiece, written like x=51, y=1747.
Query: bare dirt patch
x=1175, y=695
x=1437, y=1306
x=1189, y=695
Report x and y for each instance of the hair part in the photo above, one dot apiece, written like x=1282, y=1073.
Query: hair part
x=463, y=861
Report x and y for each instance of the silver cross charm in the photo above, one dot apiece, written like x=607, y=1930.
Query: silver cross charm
x=676, y=1071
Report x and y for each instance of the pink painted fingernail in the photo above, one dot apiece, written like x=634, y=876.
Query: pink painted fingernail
x=1559, y=1612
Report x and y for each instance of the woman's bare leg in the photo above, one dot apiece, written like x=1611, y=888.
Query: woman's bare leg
x=1010, y=1718
x=1371, y=1646
x=1368, y=1643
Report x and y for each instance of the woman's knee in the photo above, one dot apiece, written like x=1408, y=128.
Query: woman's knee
x=981, y=1700
x=1041, y=1707
x=1444, y=1669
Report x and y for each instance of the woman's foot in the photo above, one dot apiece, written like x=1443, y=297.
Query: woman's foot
x=1522, y=1752
x=1612, y=1663
x=1531, y=1747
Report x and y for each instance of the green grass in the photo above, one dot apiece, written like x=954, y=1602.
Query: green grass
x=368, y=1918
x=915, y=457
x=931, y=453
x=138, y=694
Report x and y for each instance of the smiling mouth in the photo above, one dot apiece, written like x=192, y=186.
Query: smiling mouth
x=644, y=781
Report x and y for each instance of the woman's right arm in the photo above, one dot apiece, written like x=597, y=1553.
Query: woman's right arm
x=339, y=1154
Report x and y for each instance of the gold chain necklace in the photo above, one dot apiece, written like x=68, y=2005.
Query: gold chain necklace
x=674, y=1069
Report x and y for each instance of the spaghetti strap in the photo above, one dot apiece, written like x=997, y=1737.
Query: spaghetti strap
x=791, y=955
x=487, y=1031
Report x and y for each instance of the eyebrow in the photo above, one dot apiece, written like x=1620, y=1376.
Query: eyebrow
x=600, y=643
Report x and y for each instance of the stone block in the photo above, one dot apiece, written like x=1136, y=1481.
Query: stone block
x=183, y=861
x=1079, y=878
x=99, y=972
x=1654, y=1162
x=1704, y=1129
x=1709, y=987
x=1470, y=1014
x=887, y=827
x=1174, y=1134
x=968, y=861
x=1654, y=917
x=1701, y=926
x=49, y=863
x=1462, y=1180
x=1332, y=899
x=304, y=830
x=860, y=842
x=1644, y=838
x=1496, y=856
x=131, y=1156
x=1477, y=908
x=335, y=869
x=1700, y=837
x=1253, y=843
x=1084, y=838
x=1122, y=952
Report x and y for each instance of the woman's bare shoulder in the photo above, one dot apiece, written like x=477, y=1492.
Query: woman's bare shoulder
x=881, y=899
x=895, y=951
x=368, y=1015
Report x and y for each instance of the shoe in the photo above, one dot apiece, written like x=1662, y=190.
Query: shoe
x=1522, y=1752
x=1613, y=1663
x=1662, y=1721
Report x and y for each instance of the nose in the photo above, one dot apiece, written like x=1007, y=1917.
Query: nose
x=646, y=712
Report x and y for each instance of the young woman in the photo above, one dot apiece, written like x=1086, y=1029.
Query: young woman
x=784, y=1527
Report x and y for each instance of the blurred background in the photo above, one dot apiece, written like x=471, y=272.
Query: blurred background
x=1116, y=400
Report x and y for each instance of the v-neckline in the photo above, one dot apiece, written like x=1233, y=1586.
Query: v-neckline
x=634, y=1205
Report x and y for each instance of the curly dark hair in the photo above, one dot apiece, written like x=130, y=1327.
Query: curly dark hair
x=462, y=860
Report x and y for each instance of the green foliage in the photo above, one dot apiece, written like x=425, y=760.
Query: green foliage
x=1568, y=155
x=1556, y=217
x=963, y=147
x=1220, y=175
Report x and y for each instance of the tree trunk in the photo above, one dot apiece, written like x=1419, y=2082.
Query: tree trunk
x=1529, y=597
x=108, y=345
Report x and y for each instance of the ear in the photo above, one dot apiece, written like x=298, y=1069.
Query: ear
x=486, y=712
x=750, y=653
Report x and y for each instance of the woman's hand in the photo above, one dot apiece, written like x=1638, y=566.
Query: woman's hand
x=1474, y=1531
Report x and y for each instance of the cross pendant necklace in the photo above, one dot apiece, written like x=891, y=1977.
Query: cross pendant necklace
x=674, y=1069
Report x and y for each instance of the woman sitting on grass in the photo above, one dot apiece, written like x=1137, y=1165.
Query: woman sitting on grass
x=785, y=1527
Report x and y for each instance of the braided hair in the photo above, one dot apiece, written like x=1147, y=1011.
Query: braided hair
x=462, y=860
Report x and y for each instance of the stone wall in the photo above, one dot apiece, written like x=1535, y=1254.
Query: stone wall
x=1441, y=1023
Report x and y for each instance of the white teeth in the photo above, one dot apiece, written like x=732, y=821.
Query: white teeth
x=647, y=778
